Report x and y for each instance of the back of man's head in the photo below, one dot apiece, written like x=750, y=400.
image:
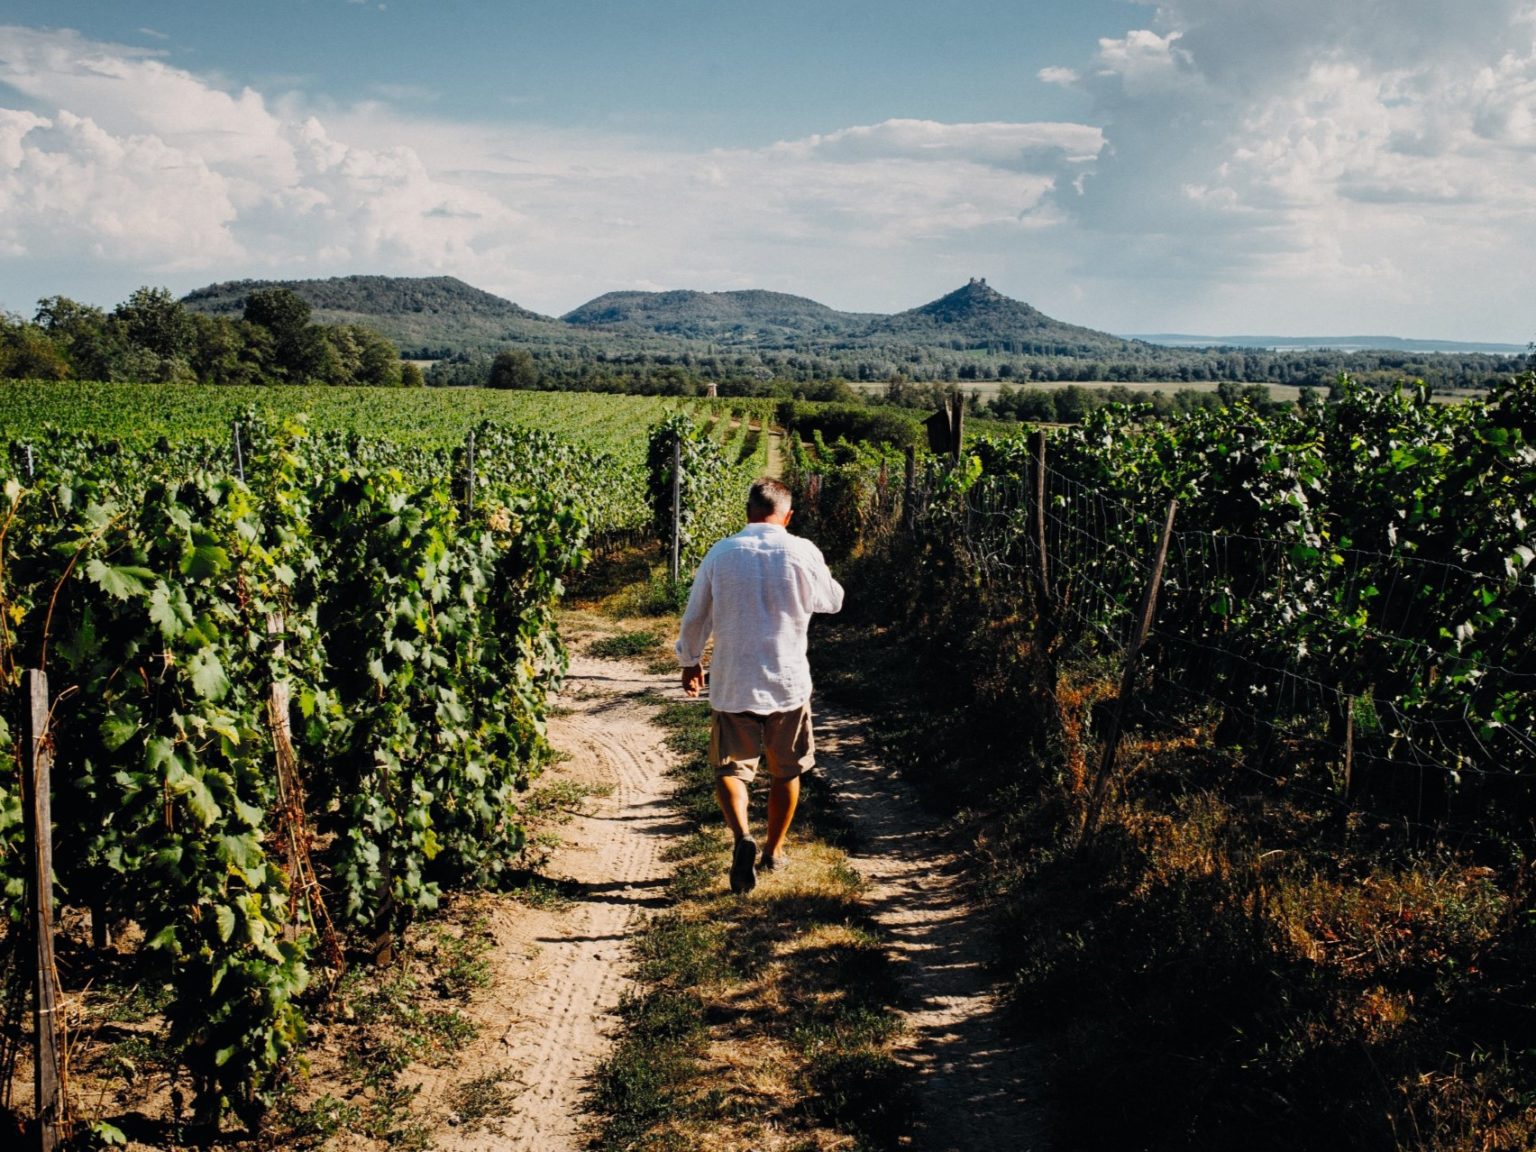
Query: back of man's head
x=767, y=497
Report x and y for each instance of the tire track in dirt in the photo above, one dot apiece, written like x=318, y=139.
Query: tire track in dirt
x=560, y=973
x=977, y=1091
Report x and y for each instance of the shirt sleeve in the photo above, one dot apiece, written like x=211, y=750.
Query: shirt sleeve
x=698, y=619
x=826, y=592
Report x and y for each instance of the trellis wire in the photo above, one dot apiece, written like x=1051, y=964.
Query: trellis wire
x=1097, y=553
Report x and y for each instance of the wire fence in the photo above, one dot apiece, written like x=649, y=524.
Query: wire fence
x=1346, y=673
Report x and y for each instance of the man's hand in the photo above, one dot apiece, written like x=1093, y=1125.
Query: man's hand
x=693, y=679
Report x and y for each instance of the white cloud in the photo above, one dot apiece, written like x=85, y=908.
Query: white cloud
x=1300, y=152
x=1024, y=146
x=142, y=161
x=128, y=91
x=845, y=209
x=66, y=185
x=1146, y=64
x=1294, y=165
x=149, y=163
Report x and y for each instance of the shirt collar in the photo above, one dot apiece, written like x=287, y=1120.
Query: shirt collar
x=764, y=528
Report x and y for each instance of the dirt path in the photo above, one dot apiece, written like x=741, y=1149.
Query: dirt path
x=559, y=973
x=775, y=465
x=977, y=1093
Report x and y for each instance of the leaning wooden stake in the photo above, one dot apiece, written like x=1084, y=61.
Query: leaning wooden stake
x=1043, y=646
x=48, y=1069
x=1128, y=680
x=1045, y=564
x=239, y=452
x=1349, y=750
x=304, y=887
x=469, y=462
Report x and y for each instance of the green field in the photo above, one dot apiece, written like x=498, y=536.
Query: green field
x=140, y=413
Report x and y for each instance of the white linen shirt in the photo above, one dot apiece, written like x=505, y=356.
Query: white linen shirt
x=756, y=591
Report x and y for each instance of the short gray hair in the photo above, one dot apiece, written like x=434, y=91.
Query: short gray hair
x=768, y=497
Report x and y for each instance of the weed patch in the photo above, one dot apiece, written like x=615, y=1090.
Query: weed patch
x=479, y=1104
x=626, y=645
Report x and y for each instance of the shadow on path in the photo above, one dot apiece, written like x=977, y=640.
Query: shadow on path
x=978, y=1089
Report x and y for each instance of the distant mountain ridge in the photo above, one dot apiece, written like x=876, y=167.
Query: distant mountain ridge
x=971, y=333
x=379, y=294
x=1340, y=343
x=442, y=315
x=983, y=317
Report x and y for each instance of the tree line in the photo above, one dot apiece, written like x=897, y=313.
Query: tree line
x=662, y=371
x=153, y=337
x=519, y=369
x=1074, y=402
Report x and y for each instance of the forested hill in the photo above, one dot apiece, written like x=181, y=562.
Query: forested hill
x=753, y=316
x=980, y=317
x=432, y=315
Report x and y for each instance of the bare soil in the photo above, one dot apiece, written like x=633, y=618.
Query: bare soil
x=976, y=1090
x=559, y=973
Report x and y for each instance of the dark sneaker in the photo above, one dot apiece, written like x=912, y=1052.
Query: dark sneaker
x=770, y=863
x=743, y=866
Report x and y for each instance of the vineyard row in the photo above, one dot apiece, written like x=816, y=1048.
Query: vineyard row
x=378, y=616
x=1360, y=573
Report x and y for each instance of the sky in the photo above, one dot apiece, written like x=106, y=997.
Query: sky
x=1224, y=167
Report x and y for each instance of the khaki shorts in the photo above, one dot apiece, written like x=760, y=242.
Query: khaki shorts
x=738, y=740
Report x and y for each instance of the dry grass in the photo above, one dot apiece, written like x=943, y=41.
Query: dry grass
x=1391, y=920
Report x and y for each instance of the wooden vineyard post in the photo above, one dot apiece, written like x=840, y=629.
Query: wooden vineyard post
x=909, y=491
x=304, y=887
x=469, y=467
x=234, y=432
x=37, y=764
x=1349, y=749
x=956, y=425
x=101, y=927
x=1043, y=645
x=1045, y=564
x=1128, y=679
x=675, y=567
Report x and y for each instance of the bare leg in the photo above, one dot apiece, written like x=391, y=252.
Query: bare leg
x=732, y=794
x=783, y=796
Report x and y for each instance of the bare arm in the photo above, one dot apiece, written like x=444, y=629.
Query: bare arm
x=693, y=635
x=826, y=594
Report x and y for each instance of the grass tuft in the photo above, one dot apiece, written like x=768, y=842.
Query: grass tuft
x=627, y=645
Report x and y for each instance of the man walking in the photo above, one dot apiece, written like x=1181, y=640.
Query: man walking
x=756, y=591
